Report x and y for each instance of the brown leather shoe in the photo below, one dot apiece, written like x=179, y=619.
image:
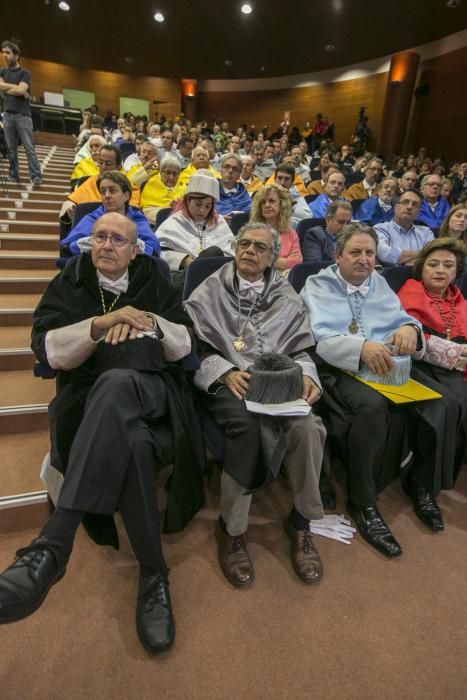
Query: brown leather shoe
x=233, y=558
x=305, y=557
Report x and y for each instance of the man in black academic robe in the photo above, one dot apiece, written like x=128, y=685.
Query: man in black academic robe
x=114, y=329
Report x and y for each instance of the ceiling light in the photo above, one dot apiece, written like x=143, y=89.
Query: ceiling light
x=65, y=6
x=452, y=4
x=228, y=62
x=129, y=59
x=246, y=8
x=330, y=48
x=159, y=17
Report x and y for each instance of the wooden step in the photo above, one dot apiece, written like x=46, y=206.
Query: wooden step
x=29, y=213
x=29, y=241
x=29, y=226
x=40, y=260
x=22, y=284
x=22, y=455
x=12, y=359
x=52, y=205
x=20, y=388
x=15, y=336
x=17, y=193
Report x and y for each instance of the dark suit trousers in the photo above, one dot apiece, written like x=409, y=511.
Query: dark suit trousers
x=112, y=459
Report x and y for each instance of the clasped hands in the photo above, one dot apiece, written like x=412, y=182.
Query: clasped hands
x=377, y=355
x=122, y=324
x=237, y=383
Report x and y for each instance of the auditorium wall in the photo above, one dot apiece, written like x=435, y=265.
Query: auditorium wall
x=339, y=100
x=107, y=87
x=440, y=114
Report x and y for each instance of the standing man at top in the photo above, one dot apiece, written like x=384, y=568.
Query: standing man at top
x=15, y=84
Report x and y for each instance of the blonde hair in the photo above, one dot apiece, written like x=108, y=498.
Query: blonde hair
x=444, y=230
x=285, y=202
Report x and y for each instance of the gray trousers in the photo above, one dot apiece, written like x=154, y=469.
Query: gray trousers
x=19, y=126
x=305, y=437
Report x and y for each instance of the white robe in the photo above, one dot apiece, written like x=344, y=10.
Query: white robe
x=179, y=237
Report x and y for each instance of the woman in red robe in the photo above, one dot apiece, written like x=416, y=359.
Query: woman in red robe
x=433, y=298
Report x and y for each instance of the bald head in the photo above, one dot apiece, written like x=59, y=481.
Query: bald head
x=122, y=224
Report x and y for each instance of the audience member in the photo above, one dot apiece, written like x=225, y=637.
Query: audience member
x=400, y=239
x=231, y=310
x=111, y=398
x=369, y=185
x=433, y=298
x=434, y=207
x=233, y=196
x=115, y=191
x=195, y=226
x=376, y=210
x=251, y=181
x=162, y=189
x=272, y=205
x=320, y=241
x=364, y=337
x=334, y=186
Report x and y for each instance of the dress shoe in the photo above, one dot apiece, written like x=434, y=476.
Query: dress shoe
x=304, y=555
x=25, y=584
x=424, y=505
x=374, y=530
x=233, y=558
x=154, y=618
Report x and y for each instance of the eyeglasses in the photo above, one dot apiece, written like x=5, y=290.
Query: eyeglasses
x=259, y=246
x=342, y=222
x=432, y=184
x=115, y=240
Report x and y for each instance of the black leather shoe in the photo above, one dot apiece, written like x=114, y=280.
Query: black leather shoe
x=154, y=618
x=424, y=505
x=25, y=584
x=374, y=530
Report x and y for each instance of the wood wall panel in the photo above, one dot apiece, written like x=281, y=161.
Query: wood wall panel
x=341, y=101
x=439, y=118
x=107, y=87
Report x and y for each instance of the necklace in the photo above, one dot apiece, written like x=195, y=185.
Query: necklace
x=356, y=323
x=239, y=341
x=107, y=311
x=447, y=321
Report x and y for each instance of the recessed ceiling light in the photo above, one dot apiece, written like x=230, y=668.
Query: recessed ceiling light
x=262, y=68
x=330, y=48
x=228, y=62
x=129, y=59
x=246, y=8
x=452, y=4
x=65, y=6
x=159, y=17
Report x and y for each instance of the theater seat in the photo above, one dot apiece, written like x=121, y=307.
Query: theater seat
x=299, y=273
x=305, y=224
x=396, y=276
x=237, y=221
x=161, y=216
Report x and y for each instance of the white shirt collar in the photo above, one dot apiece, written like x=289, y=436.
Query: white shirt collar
x=114, y=286
x=363, y=288
x=245, y=285
x=369, y=188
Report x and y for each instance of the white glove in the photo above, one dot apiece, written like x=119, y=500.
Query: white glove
x=336, y=527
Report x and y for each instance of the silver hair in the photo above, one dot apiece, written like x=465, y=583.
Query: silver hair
x=228, y=156
x=260, y=226
x=350, y=230
x=171, y=161
x=423, y=182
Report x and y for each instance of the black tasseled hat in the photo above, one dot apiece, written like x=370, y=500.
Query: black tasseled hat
x=275, y=378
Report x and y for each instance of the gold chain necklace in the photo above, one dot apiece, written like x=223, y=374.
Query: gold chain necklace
x=107, y=311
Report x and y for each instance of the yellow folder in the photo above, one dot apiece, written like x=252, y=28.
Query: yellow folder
x=405, y=393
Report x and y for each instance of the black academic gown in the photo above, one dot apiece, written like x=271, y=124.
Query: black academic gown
x=73, y=296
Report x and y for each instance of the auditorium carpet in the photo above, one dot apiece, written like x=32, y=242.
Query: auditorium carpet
x=372, y=628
